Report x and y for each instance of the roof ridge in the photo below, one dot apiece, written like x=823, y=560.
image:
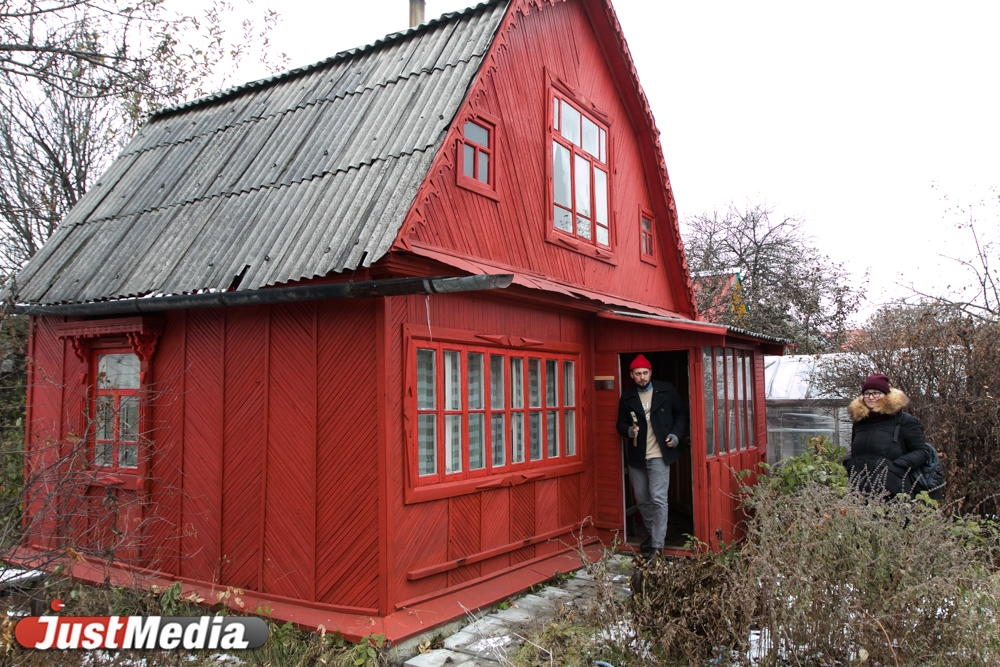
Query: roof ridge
x=314, y=102
x=389, y=39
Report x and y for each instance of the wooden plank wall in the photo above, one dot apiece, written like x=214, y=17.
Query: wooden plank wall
x=425, y=534
x=512, y=230
x=264, y=469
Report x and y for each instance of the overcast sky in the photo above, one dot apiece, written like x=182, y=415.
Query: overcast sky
x=870, y=121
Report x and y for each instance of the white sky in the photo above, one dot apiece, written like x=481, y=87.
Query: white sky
x=870, y=121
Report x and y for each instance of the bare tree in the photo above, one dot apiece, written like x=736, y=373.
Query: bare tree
x=128, y=49
x=77, y=78
x=52, y=145
x=980, y=297
x=791, y=289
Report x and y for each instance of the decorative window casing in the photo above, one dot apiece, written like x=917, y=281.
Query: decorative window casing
x=117, y=355
x=729, y=400
x=476, y=155
x=486, y=409
x=580, y=184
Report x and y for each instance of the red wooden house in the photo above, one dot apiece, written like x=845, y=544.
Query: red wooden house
x=244, y=376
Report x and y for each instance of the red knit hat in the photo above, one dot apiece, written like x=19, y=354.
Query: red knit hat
x=877, y=382
x=640, y=362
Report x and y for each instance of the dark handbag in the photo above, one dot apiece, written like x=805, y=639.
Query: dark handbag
x=928, y=477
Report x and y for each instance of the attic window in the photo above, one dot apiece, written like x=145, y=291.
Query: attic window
x=646, y=237
x=475, y=156
x=580, y=188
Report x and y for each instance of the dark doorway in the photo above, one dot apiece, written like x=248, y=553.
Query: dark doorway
x=669, y=367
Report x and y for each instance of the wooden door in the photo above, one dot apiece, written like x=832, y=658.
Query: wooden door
x=731, y=438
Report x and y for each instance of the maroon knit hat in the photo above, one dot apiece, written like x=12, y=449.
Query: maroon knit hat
x=640, y=362
x=877, y=382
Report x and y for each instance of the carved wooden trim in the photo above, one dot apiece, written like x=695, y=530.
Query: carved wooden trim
x=142, y=333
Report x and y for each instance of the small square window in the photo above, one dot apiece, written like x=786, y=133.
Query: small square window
x=476, y=157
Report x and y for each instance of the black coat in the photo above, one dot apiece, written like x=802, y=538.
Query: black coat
x=668, y=414
x=875, y=459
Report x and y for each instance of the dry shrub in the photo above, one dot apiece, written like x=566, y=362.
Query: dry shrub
x=828, y=577
x=692, y=608
x=838, y=577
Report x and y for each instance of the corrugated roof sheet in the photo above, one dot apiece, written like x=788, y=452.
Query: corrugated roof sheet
x=292, y=177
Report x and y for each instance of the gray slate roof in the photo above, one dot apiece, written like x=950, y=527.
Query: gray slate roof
x=297, y=176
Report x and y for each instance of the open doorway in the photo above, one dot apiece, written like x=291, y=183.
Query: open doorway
x=669, y=367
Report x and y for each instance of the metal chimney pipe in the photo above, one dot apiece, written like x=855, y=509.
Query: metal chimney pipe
x=416, y=12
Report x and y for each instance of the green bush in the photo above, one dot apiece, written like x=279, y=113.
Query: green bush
x=821, y=463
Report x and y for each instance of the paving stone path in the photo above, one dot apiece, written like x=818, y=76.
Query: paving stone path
x=483, y=641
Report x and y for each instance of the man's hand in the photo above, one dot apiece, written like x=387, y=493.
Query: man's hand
x=672, y=440
x=633, y=431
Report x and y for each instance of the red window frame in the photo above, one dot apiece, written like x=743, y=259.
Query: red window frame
x=729, y=400
x=465, y=143
x=551, y=457
x=647, y=237
x=559, y=231
x=117, y=394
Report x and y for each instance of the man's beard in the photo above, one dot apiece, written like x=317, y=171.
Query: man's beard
x=644, y=387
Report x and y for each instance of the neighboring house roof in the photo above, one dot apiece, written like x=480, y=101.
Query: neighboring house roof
x=728, y=300
x=289, y=178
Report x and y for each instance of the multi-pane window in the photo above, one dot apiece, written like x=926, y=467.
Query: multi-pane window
x=476, y=152
x=579, y=174
x=483, y=410
x=646, y=236
x=729, y=403
x=116, y=411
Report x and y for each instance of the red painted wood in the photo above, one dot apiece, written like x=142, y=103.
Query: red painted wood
x=547, y=513
x=495, y=527
x=289, y=531
x=166, y=477
x=243, y=446
x=608, y=485
x=464, y=535
x=202, y=489
x=347, y=519
x=512, y=86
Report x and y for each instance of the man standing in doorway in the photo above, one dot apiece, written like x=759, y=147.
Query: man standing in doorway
x=653, y=419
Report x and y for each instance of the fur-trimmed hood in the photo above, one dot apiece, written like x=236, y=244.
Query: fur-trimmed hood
x=889, y=404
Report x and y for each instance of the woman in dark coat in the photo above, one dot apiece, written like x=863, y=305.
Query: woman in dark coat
x=881, y=460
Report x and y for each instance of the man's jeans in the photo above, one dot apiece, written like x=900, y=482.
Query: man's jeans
x=650, y=486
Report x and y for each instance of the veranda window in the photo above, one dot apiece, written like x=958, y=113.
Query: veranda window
x=484, y=410
x=729, y=400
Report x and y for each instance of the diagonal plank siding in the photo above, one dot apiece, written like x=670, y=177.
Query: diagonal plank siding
x=167, y=419
x=245, y=438
x=289, y=522
x=347, y=463
x=202, y=465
